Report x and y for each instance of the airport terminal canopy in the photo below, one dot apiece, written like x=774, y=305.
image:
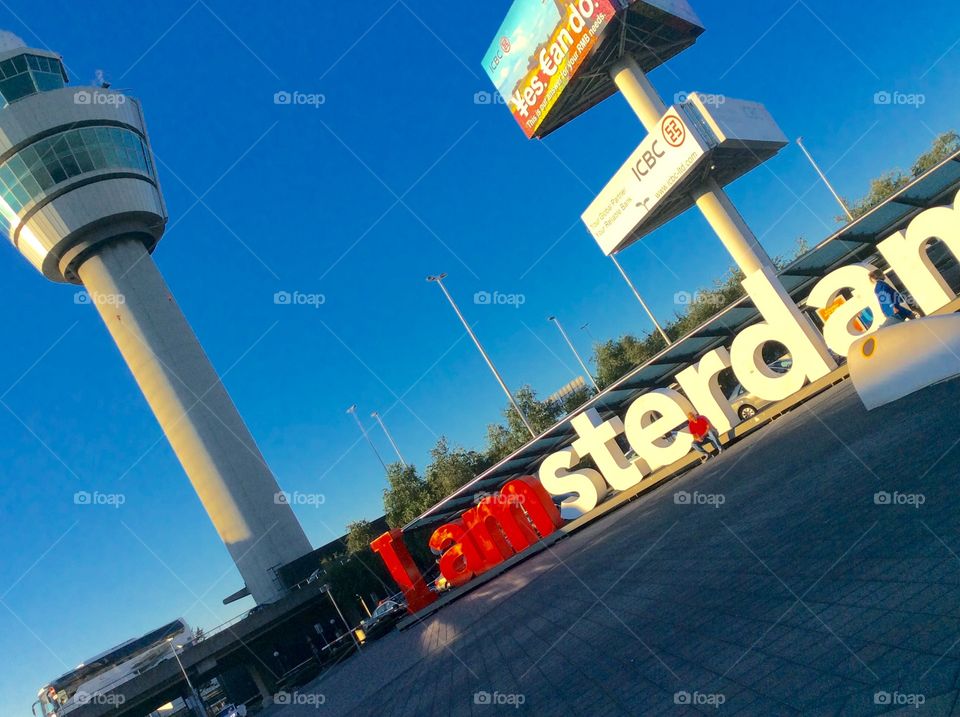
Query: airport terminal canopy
x=855, y=242
x=551, y=59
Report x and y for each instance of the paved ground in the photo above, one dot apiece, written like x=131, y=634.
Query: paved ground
x=800, y=594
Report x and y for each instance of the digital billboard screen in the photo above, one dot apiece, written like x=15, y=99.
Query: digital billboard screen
x=539, y=48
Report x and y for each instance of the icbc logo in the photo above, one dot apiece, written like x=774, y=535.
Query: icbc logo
x=505, y=43
x=673, y=130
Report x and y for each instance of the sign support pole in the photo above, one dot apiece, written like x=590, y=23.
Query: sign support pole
x=711, y=199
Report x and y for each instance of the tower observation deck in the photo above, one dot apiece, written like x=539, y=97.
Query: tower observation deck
x=79, y=198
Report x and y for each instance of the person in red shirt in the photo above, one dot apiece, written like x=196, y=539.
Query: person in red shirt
x=703, y=432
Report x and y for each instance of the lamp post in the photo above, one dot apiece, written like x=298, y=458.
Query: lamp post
x=826, y=181
x=566, y=338
x=353, y=412
x=438, y=279
x=363, y=604
x=196, y=697
x=640, y=299
x=389, y=437
x=326, y=589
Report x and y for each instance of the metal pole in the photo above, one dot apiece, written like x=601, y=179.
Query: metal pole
x=439, y=280
x=345, y=623
x=843, y=205
x=389, y=437
x=353, y=412
x=363, y=604
x=566, y=338
x=640, y=299
x=196, y=697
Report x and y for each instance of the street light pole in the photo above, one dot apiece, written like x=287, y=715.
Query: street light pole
x=363, y=604
x=353, y=412
x=566, y=338
x=193, y=692
x=640, y=299
x=439, y=281
x=826, y=181
x=326, y=589
x=389, y=437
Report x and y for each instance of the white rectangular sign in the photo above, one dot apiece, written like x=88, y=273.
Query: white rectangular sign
x=664, y=158
x=738, y=122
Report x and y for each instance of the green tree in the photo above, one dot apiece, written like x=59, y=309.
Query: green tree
x=451, y=468
x=880, y=189
x=407, y=495
x=616, y=357
x=886, y=184
x=576, y=398
x=943, y=146
x=502, y=439
x=359, y=535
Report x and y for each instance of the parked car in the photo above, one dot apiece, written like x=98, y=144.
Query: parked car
x=746, y=404
x=387, y=614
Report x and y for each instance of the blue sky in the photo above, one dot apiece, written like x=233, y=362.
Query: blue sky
x=400, y=173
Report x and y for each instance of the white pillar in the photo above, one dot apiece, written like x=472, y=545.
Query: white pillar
x=207, y=434
x=729, y=226
x=638, y=92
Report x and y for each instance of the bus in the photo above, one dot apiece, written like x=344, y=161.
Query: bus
x=93, y=679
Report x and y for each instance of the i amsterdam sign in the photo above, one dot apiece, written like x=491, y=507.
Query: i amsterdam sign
x=654, y=424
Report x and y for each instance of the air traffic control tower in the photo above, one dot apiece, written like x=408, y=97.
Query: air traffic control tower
x=79, y=198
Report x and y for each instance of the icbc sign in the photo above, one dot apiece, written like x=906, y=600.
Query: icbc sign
x=673, y=130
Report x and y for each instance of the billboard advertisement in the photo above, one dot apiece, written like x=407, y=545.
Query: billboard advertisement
x=538, y=50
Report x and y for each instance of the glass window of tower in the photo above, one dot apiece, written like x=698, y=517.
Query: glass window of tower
x=33, y=170
x=27, y=74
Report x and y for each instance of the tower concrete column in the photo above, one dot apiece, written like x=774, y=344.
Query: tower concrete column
x=253, y=669
x=209, y=437
x=86, y=208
